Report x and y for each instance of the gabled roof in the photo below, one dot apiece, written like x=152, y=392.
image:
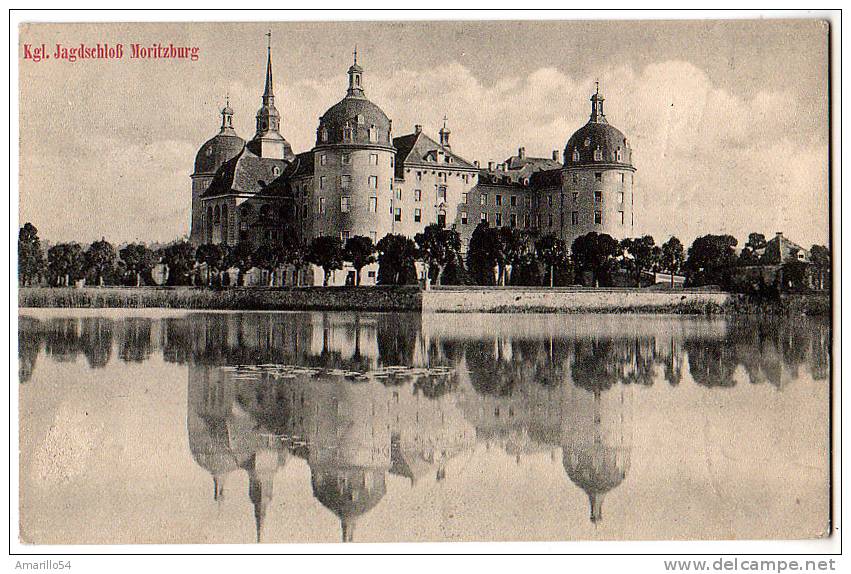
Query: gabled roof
x=416, y=148
x=250, y=174
x=780, y=250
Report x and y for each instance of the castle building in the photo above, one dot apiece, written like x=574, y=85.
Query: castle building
x=360, y=179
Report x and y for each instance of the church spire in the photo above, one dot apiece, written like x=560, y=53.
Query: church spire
x=355, y=78
x=268, y=95
x=597, y=115
x=268, y=141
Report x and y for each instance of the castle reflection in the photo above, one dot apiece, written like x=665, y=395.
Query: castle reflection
x=359, y=398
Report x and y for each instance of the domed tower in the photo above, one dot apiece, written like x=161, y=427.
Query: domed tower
x=353, y=167
x=597, y=441
x=216, y=151
x=598, y=178
x=268, y=141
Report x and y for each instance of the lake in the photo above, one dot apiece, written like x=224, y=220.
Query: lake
x=154, y=426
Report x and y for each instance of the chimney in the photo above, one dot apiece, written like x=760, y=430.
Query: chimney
x=418, y=129
x=522, y=153
x=555, y=155
x=476, y=163
x=490, y=166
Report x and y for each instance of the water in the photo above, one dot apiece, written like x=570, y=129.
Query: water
x=146, y=426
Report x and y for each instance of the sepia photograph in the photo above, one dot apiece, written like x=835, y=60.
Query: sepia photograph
x=326, y=280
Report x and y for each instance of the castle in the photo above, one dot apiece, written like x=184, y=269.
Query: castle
x=362, y=179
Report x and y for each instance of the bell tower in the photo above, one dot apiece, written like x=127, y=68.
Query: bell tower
x=268, y=141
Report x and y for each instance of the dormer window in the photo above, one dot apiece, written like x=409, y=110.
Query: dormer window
x=323, y=135
x=209, y=151
x=373, y=134
x=347, y=133
x=576, y=155
x=359, y=117
x=276, y=170
x=619, y=155
x=598, y=154
x=587, y=142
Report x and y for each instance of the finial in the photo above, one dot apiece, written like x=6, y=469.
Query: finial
x=355, y=54
x=444, y=121
x=269, y=40
x=597, y=83
x=227, y=99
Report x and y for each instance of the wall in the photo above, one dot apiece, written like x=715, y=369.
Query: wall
x=447, y=299
x=583, y=181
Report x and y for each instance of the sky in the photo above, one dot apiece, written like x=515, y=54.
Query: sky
x=728, y=120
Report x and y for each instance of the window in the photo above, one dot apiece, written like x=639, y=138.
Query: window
x=576, y=155
x=373, y=159
x=418, y=195
x=373, y=182
x=537, y=220
x=465, y=177
x=397, y=214
x=304, y=210
x=373, y=204
x=549, y=201
x=464, y=198
x=419, y=176
x=513, y=201
x=373, y=133
x=483, y=199
x=441, y=193
x=598, y=217
x=527, y=220
x=598, y=177
x=574, y=218
x=323, y=135
x=484, y=217
x=418, y=215
x=374, y=237
x=621, y=216
x=575, y=178
x=399, y=193
x=598, y=154
x=344, y=204
x=512, y=220
x=575, y=197
x=550, y=220
x=527, y=201
x=346, y=159
x=321, y=182
x=598, y=197
x=623, y=178
x=619, y=155
x=345, y=181
x=620, y=197
x=441, y=219
x=441, y=177
x=463, y=218
x=498, y=220
x=323, y=159
x=276, y=170
x=498, y=199
x=347, y=133
x=321, y=205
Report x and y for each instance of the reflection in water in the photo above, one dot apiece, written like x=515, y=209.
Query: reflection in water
x=359, y=398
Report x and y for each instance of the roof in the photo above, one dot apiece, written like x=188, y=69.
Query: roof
x=248, y=173
x=781, y=250
x=217, y=150
x=595, y=136
x=359, y=114
x=419, y=149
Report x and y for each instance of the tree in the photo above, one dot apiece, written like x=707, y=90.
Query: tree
x=214, y=257
x=748, y=256
x=672, y=257
x=495, y=248
x=641, y=251
x=100, y=259
x=138, y=260
x=396, y=257
x=241, y=258
x=710, y=258
x=592, y=252
x=180, y=257
x=514, y=247
x=295, y=253
x=553, y=252
x=481, y=256
x=269, y=257
x=820, y=258
x=30, y=255
x=65, y=263
x=438, y=248
x=360, y=252
x=326, y=252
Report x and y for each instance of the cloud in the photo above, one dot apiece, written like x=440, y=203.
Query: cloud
x=708, y=161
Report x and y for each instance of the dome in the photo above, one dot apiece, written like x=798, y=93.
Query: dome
x=597, y=142
x=360, y=116
x=354, y=119
x=217, y=151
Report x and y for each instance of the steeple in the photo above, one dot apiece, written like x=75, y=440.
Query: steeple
x=444, y=134
x=227, y=119
x=597, y=115
x=268, y=141
x=355, y=78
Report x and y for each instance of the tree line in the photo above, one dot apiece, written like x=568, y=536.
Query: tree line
x=495, y=256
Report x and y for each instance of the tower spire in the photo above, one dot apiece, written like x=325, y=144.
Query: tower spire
x=444, y=134
x=268, y=95
x=597, y=114
x=355, y=77
x=227, y=118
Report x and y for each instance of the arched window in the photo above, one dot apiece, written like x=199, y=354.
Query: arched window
x=575, y=155
x=347, y=132
x=598, y=154
x=276, y=170
x=224, y=223
x=323, y=135
x=208, y=225
x=373, y=133
x=359, y=118
x=619, y=154
x=217, y=215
